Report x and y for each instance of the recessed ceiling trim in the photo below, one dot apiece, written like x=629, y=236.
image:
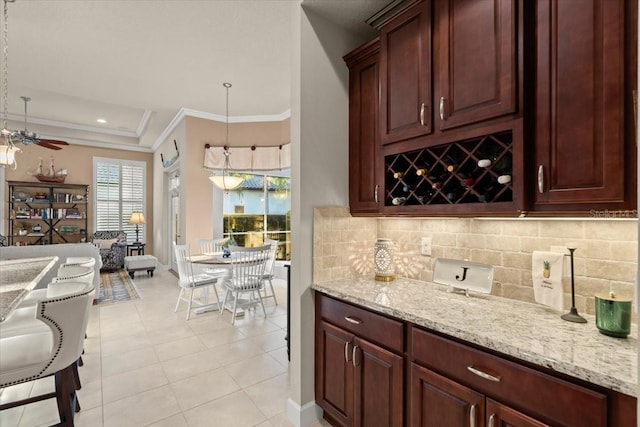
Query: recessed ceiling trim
x=144, y=121
x=74, y=126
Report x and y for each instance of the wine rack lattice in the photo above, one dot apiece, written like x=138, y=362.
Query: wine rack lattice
x=475, y=170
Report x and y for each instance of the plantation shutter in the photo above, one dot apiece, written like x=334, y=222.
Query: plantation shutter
x=119, y=191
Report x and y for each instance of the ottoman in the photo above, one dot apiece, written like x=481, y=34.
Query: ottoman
x=140, y=262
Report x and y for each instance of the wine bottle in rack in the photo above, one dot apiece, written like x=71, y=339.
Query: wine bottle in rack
x=504, y=179
x=397, y=201
x=398, y=175
x=406, y=188
x=422, y=170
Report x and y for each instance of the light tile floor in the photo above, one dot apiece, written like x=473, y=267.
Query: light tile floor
x=145, y=365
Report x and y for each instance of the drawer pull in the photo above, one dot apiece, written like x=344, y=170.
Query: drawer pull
x=375, y=193
x=353, y=356
x=492, y=420
x=346, y=351
x=472, y=415
x=422, y=114
x=540, y=179
x=483, y=374
x=442, y=108
x=353, y=320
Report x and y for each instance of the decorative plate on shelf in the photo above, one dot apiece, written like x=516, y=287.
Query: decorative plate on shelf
x=21, y=196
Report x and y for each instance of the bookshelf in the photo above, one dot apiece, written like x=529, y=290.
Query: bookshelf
x=47, y=213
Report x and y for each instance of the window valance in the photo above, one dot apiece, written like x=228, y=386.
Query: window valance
x=254, y=158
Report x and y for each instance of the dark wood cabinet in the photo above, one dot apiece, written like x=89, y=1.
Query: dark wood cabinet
x=438, y=401
x=365, y=174
x=405, y=75
x=475, y=58
x=580, y=103
x=565, y=70
x=360, y=359
x=358, y=382
x=525, y=391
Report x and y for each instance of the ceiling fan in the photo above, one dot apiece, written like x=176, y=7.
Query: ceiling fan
x=29, y=138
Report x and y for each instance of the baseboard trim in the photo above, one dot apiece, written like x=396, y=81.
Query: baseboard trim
x=302, y=416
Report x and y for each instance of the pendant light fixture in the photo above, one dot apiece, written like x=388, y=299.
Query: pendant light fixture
x=225, y=181
x=7, y=149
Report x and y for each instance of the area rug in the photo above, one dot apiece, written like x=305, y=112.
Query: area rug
x=116, y=286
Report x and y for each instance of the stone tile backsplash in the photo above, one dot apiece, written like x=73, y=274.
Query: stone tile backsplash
x=606, y=256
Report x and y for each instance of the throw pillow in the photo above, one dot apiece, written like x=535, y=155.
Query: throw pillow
x=104, y=243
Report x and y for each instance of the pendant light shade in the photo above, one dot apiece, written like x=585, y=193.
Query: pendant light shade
x=225, y=181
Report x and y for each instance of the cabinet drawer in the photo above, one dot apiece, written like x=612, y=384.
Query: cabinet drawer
x=374, y=327
x=555, y=401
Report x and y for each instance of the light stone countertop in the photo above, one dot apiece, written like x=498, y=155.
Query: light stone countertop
x=529, y=332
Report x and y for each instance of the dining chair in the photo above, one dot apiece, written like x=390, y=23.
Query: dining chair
x=50, y=343
x=247, y=271
x=268, y=269
x=211, y=246
x=189, y=281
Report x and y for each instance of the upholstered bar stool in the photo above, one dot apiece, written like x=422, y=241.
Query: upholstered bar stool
x=49, y=344
x=66, y=273
x=84, y=261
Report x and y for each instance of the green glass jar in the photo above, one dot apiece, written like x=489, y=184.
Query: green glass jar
x=613, y=315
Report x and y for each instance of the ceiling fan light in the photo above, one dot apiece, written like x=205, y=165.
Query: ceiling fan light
x=8, y=155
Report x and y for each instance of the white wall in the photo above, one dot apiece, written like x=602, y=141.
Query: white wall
x=319, y=135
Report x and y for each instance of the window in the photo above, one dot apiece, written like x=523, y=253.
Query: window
x=119, y=190
x=260, y=208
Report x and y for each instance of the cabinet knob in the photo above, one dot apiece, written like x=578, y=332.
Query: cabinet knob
x=540, y=179
x=442, y=108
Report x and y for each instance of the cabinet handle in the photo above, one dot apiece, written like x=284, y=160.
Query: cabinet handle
x=492, y=420
x=484, y=375
x=540, y=179
x=442, y=108
x=353, y=320
x=472, y=415
x=422, y=114
x=353, y=356
x=375, y=193
x=346, y=351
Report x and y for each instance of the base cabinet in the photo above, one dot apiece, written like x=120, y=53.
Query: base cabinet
x=439, y=401
x=361, y=379
x=358, y=383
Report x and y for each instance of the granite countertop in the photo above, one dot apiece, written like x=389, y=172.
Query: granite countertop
x=18, y=277
x=529, y=332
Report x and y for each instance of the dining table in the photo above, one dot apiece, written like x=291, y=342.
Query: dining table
x=18, y=277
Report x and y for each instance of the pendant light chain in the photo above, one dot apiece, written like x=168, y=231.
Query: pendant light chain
x=5, y=65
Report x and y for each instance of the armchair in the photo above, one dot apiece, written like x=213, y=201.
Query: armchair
x=113, y=248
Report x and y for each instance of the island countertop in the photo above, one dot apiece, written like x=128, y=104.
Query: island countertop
x=526, y=331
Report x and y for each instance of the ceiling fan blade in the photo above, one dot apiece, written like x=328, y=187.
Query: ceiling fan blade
x=47, y=144
x=52, y=141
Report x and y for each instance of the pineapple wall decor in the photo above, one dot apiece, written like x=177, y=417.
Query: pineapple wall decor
x=546, y=273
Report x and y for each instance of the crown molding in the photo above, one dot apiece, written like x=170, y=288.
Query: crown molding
x=187, y=112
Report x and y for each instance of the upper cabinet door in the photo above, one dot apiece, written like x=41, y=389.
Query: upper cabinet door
x=475, y=61
x=365, y=159
x=579, y=102
x=405, y=75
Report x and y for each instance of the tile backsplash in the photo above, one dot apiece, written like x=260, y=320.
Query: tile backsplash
x=606, y=255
